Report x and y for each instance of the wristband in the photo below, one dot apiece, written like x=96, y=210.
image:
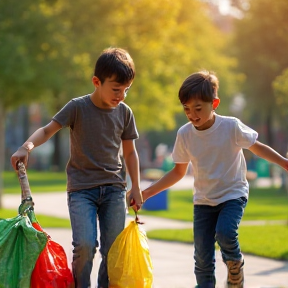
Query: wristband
x=26, y=148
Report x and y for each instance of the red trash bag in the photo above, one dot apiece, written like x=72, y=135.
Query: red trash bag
x=51, y=269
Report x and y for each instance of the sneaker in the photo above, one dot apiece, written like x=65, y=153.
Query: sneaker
x=235, y=278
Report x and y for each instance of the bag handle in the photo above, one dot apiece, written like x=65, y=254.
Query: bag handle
x=137, y=220
x=27, y=202
x=23, y=179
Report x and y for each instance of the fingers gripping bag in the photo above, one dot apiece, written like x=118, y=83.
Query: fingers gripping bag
x=129, y=263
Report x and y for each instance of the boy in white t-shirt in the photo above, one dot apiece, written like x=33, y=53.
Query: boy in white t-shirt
x=214, y=145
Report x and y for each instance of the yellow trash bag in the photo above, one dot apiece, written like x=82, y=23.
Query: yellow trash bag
x=129, y=263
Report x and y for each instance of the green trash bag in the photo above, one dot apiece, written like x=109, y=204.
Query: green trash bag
x=20, y=246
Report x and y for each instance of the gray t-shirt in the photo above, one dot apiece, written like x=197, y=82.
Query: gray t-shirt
x=95, y=142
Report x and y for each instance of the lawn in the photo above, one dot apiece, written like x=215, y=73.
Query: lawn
x=39, y=182
x=45, y=221
x=267, y=241
x=264, y=204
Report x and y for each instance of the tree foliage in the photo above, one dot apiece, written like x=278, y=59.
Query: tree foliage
x=280, y=87
x=53, y=46
x=48, y=49
x=21, y=37
x=262, y=45
x=168, y=40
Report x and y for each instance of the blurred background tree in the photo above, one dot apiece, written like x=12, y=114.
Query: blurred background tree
x=280, y=88
x=261, y=46
x=168, y=40
x=21, y=40
x=48, y=51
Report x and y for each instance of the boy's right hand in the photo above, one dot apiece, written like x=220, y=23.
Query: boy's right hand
x=134, y=199
x=21, y=155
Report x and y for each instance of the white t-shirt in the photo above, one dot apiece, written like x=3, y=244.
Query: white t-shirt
x=216, y=154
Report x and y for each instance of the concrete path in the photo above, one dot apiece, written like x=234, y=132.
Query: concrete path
x=173, y=262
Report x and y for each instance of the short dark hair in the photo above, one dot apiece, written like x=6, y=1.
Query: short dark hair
x=200, y=85
x=115, y=62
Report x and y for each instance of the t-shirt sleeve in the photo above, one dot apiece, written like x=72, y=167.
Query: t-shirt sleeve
x=180, y=154
x=245, y=136
x=66, y=116
x=130, y=130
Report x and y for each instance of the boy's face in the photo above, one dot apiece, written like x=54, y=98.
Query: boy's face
x=199, y=113
x=110, y=93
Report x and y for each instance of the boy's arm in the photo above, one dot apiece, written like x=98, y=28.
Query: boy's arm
x=39, y=137
x=269, y=154
x=132, y=163
x=169, y=179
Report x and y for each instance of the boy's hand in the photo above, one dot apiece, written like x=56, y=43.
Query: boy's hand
x=134, y=199
x=21, y=155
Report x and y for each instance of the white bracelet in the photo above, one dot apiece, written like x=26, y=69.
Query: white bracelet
x=27, y=149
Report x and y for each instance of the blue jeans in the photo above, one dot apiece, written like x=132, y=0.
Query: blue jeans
x=108, y=203
x=216, y=223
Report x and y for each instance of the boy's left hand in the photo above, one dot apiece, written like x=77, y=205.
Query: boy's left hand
x=134, y=199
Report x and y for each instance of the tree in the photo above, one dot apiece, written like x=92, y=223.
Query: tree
x=34, y=54
x=20, y=38
x=168, y=40
x=280, y=88
x=261, y=43
x=53, y=46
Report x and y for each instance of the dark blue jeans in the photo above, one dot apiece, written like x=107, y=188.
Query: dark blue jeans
x=216, y=223
x=108, y=203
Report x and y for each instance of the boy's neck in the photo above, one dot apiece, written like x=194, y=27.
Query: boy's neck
x=208, y=124
x=97, y=101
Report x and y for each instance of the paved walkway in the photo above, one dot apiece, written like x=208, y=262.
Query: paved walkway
x=173, y=262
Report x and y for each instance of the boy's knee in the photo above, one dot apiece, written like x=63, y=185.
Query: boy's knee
x=86, y=250
x=226, y=238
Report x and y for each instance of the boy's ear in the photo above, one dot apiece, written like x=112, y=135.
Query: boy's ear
x=216, y=103
x=96, y=81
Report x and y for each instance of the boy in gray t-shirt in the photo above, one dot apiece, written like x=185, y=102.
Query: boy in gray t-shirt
x=101, y=126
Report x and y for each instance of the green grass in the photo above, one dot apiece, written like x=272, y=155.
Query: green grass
x=267, y=241
x=173, y=235
x=45, y=221
x=264, y=204
x=39, y=182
